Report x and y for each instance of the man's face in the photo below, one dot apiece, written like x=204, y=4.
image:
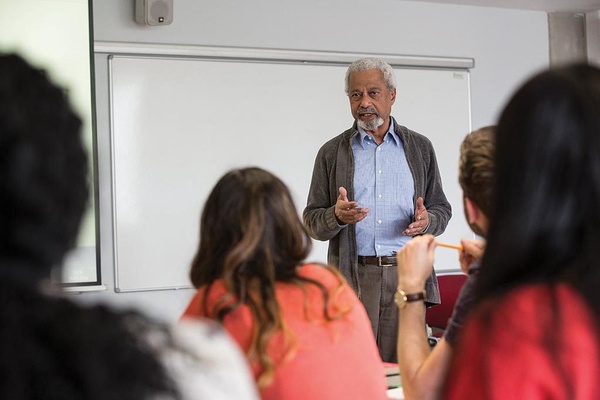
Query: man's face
x=370, y=100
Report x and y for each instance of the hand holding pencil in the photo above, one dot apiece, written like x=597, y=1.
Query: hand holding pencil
x=470, y=251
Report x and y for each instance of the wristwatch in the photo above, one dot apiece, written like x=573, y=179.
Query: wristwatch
x=402, y=298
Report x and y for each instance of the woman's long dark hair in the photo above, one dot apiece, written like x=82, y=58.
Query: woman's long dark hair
x=546, y=220
x=545, y=226
x=251, y=237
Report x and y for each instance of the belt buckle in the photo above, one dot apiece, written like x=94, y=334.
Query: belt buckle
x=381, y=264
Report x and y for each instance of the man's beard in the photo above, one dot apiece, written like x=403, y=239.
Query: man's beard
x=372, y=124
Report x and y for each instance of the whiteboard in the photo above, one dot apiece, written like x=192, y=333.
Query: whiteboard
x=179, y=123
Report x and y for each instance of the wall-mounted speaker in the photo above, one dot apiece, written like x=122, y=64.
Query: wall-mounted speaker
x=154, y=12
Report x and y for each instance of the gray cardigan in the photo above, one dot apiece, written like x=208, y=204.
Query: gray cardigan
x=334, y=167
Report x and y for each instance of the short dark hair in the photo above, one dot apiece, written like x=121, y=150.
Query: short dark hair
x=476, y=167
x=43, y=168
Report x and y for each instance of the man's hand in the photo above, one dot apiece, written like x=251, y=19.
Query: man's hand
x=471, y=252
x=415, y=263
x=348, y=212
x=421, y=220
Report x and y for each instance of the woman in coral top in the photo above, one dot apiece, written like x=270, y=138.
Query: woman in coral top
x=302, y=328
x=535, y=333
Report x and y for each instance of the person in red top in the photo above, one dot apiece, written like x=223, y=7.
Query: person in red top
x=534, y=332
x=539, y=341
x=304, y=331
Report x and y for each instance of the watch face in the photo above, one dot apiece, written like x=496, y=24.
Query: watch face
x=401, y=297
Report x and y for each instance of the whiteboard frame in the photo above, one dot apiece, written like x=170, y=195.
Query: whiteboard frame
x=274, y=56
x=278, y=55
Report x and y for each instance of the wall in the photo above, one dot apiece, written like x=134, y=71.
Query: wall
x=592, y=24
x=567, y=36
x=507, y=45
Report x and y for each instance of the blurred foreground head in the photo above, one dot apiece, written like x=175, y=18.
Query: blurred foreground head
x=546, y=222
x=43, y=172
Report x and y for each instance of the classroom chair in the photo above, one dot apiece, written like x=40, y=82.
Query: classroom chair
x=437, y=316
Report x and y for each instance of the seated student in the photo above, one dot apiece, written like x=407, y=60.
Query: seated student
x=52, y=348
x=422, y=369
x=304, y=331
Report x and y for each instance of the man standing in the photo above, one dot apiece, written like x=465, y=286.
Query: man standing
x=374, y=187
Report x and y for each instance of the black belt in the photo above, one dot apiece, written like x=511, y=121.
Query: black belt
x=380, y=261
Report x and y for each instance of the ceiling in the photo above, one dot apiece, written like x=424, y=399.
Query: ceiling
x=538, y=5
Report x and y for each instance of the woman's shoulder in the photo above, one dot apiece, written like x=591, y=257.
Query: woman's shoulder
x=531, y=310
x=531, y=298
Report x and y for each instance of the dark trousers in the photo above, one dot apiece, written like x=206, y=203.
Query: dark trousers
x=378, y=286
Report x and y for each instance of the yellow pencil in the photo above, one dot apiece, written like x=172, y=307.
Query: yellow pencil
x=450, y=246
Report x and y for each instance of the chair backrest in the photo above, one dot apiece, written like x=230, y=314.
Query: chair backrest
x=450, y=285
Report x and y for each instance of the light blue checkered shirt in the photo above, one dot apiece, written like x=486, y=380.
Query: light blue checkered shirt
x=384, y=184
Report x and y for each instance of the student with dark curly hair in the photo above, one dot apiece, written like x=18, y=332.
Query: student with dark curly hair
x=305, y=333
x=50, y=347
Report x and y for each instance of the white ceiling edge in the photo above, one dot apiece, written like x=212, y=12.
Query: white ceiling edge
x=534, y=5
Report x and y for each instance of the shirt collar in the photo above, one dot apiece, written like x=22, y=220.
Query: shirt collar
x=362, y=134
